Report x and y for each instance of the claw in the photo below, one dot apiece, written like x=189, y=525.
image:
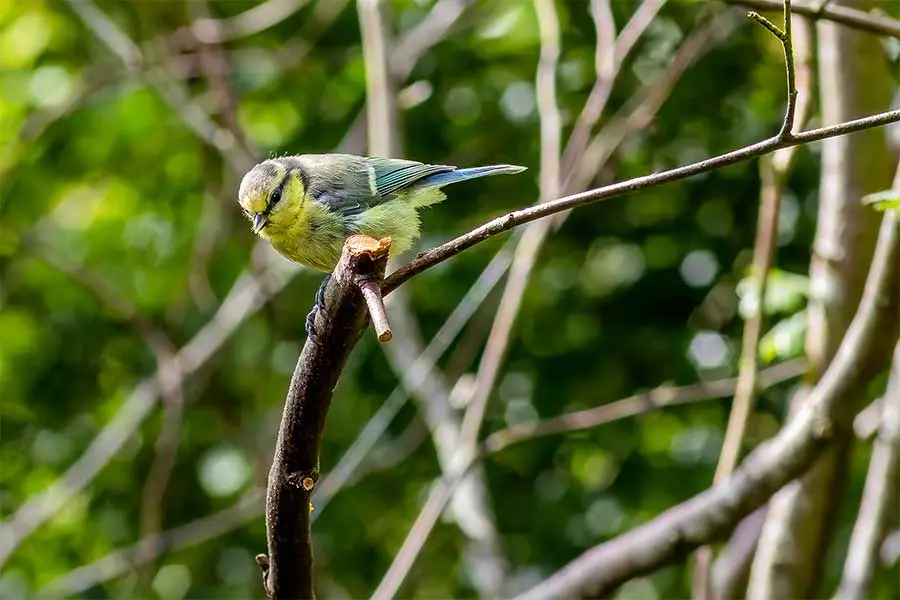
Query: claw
x=319, y=305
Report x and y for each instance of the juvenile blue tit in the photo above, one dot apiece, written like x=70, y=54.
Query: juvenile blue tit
x=306, y=206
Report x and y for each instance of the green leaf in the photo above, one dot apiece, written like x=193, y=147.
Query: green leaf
x=885, y=200
x=785, y=293
x=785, y=340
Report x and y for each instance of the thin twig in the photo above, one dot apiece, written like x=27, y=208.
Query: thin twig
x=611, y=52
x=435, y=256
x=184, y=536
x=713, y=513
x=639, y=110
x=659, y=397
x=873, y=22
x=372, y=294
x=879, y=499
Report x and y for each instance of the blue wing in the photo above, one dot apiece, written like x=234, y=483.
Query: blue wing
x=393, y=174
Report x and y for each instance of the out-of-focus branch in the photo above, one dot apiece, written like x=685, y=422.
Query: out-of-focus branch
x=170, y=90
x=773, y=173
x=610, y=53
x=713, y=513
x=802, y=518
x=435, y=256
x=245, y=298
x=287, y=569
x=763, y=257
x=250, y=22
x=381, y=95
x=191, y=534
x=533, y=238
x=655, y=399
x=470, y=508
x=879, y=497
x=433, y=28
x=870, y=21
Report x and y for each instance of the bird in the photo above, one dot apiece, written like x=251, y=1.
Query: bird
x=307, y=205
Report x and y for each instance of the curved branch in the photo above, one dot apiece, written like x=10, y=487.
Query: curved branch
x=435, y=256
x=287, y=570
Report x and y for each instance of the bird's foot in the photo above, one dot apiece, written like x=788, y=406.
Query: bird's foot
x=319, y=305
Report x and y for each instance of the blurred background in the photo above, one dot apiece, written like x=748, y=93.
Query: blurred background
x=147, y=339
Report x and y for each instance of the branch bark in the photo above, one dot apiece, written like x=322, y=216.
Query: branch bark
x=494, y=227
x=879, y=497
x=714, y=513
x=855, y=18
x=287, y=570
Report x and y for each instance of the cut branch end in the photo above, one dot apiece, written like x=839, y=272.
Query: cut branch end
x=370, y=283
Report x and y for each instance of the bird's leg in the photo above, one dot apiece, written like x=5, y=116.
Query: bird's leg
x=319, y=305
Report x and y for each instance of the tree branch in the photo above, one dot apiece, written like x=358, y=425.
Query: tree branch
x=879, y=497
x=435, y=256
x=713, y=513
x=872, y=22
x=251, y=506
x=287, y=570
x=659, y=397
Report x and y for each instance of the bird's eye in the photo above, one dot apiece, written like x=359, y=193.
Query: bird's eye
x=275, y=197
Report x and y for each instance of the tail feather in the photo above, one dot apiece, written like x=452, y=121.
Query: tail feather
x=448, y=177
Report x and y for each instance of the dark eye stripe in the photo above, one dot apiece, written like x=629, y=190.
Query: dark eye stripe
x=276, y=194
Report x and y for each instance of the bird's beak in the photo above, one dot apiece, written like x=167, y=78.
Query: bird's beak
x=259, y=221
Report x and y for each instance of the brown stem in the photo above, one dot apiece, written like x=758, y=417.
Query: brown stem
x=494, y=227
x=879, y=498
x=287, y=570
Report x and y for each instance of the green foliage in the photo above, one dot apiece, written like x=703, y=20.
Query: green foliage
x=98, y=169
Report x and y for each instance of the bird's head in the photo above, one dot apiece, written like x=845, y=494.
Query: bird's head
x=270, y=193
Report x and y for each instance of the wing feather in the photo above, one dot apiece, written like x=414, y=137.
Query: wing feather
x=393, y=174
